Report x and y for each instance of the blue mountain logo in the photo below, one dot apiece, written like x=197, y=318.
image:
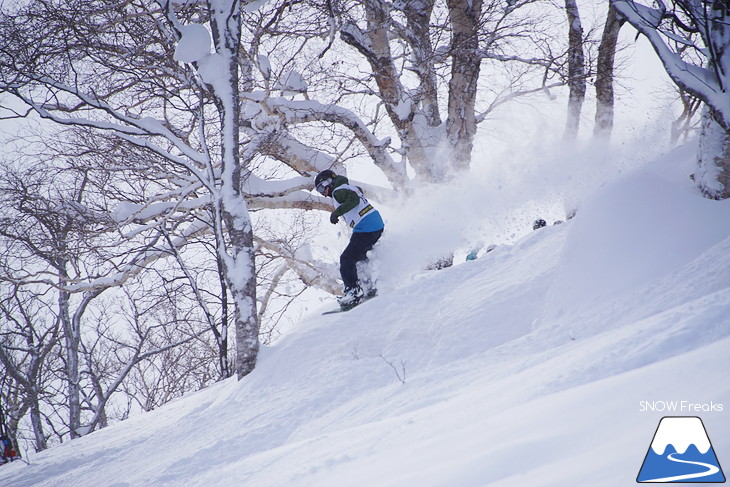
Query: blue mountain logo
x=681, y=452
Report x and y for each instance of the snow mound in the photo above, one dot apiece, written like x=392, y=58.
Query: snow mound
x=633, y=232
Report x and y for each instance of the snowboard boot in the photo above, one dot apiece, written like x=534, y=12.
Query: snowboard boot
x=352, y=296
x=367, y=284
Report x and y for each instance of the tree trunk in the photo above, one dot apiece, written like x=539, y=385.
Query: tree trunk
x=713, y=159
x=419, y=24
x=230, y=206
x=576, y=70
x=684, y=123
x=222, y=340
x=72, y=341
x=465, y=64
x=604, y=74
x=29, y=382
x=401, y=111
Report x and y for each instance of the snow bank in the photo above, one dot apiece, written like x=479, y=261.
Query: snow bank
x=633, y=232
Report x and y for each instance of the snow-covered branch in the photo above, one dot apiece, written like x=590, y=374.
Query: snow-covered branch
x=313, y=273
x=303, y=111
x=145, y=126
x=300, y=200
x=139, y=261
x=708, y=83
x=300, y=157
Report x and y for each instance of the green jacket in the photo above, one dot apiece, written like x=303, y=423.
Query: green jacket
x=347, y=199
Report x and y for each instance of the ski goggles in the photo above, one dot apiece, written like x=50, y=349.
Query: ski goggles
x=322, y=187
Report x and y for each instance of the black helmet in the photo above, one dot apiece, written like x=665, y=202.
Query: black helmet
x=324, y=180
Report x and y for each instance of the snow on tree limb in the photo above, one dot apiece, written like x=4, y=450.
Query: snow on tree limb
x=300, y=157
x=311, y=272
x=119, y=274
x=709, y=84
x=127, y=126
x=298, y=111
x=278, y=143
x=706, y=27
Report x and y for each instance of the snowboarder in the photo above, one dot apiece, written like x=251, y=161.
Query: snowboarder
x=367, y=227
x=8, y=451
x=8, y=446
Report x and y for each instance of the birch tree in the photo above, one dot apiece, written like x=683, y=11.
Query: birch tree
x=51, y=336
x=144, y=327
x=605, y=68
x=439, y=69
x=44, y=231
x=146, y=85
x=662, y=23
x=29, y=334
x=430, y=148
x=576, y=70
x=114, y=68
x=465, y=17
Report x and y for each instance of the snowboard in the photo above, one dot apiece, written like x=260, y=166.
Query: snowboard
x=348, y=308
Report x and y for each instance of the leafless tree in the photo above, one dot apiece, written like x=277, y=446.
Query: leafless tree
x=111, y=67
x=421, y=53
x=576, y=69
x=43, y=231
x=605, y=68
x=29, y=334
x=704, y=27
x=54, y=234
x=157, y=321
x=686, y=123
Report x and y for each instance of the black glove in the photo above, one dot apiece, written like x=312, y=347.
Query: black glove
x=334, y=218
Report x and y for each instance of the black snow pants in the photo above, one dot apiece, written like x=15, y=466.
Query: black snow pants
x=356, y=251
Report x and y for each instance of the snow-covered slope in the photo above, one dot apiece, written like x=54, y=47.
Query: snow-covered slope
x=532, y=365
